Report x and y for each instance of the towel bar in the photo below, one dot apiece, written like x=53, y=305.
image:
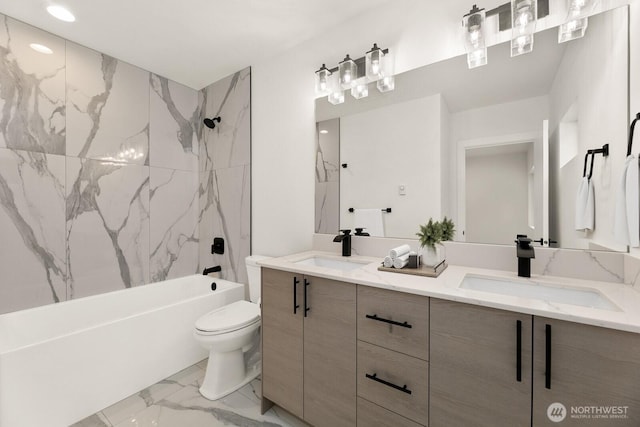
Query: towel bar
x=387, y=210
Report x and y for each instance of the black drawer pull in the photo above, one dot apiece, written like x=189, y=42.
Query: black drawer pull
x=519, y=351
x=306, y=306
x=547, y=356
x=393, y=322
x=296, y=306
x=403, y=389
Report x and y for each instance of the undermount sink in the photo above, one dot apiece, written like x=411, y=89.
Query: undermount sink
x=546, y=292
x=333, y=263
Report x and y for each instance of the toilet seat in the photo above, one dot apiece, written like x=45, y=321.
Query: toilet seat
x=229, y=318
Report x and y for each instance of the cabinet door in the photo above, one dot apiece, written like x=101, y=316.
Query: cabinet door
x=330, y=353
x=593, y=369
x=474, y=366
x=282, y=340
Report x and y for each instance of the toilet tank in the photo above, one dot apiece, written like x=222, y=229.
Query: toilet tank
x=253, y=272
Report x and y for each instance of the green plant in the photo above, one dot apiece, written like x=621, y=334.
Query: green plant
x=434, y=232
x=430, y=233
x=448, y=229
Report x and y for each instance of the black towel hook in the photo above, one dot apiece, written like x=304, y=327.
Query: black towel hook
x=604, y=151
x=633, y=125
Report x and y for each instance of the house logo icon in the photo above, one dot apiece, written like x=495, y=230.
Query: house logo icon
x=556, y=412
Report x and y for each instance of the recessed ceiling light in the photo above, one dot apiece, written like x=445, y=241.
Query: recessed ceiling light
x=61, y=13
x=324, y=131
x=40, y=48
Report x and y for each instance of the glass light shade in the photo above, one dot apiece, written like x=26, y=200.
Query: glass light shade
x=323, y=76
x=360, y=89
x=576, y=23
x=386, y=84
x=477, y=58
x=474, y=38
x=573, y=29
x=348, y=72
x=523, y=24
x=336, y=94
x=374, y=63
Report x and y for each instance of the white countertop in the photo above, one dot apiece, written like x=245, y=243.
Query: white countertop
x=447, y=286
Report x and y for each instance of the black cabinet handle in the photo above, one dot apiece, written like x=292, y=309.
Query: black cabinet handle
x=296, y=306
x=393, y=322
x=374, y=377
x=306, y=306
x=519, y=350
x=547, y=357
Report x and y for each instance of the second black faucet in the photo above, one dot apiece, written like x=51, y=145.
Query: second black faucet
x=345, y=238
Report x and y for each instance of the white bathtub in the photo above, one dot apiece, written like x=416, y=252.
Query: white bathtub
x=63, y=362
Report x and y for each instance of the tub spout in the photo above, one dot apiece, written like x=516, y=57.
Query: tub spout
x=214, y=269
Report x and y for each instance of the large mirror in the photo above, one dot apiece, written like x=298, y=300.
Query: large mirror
x=500, y=149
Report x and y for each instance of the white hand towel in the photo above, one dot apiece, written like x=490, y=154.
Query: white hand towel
x=626, y=218
x=399, y=251
x=589, y=217
x=401, y=261
x=371, y=219
x=582, y=198
x=388, y=262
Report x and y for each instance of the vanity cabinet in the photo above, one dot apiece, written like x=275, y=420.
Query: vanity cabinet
x=591, y=367
x=494, y=367
x=393, y=358
x=480, y=366
x=309, y=347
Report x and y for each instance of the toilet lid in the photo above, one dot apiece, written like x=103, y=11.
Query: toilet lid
x=229, y=318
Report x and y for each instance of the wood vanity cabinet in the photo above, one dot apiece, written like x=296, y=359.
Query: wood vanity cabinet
x=591, y=367
x=480, y=371
x=309, y=363
x=476, y=356
x=393, y=358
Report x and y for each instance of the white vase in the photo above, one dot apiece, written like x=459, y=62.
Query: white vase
x=432, y=256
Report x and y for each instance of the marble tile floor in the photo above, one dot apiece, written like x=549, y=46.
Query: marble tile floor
x=176, y=402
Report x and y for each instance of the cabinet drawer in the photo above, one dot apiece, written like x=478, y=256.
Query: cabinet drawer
x=372, y=415
x=396, y=307
x=394, y=369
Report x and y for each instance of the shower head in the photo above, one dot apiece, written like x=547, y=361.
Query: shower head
x=211, y=123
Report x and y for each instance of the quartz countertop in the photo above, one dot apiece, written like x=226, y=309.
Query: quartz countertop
x=447, y=286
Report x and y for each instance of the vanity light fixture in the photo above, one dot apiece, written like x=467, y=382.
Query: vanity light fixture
x=40, y=48
x=322, y=81
x=355, y=75
x=348, y=72
x=473, y=24
x=576, y=23
x=523, y=25
x=61, y=13
x=360, y=88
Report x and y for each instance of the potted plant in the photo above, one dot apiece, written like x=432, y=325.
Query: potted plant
x=431, y=235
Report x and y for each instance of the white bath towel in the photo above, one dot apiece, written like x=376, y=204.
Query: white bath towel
x=388, y=262
x=585, y=206
x=371, y=219
x=401, y=261
x=399, y=251
x=626, y=218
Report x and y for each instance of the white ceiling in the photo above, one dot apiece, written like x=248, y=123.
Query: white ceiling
x=194, y=42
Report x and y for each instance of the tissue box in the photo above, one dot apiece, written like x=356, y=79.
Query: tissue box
x=414, y=261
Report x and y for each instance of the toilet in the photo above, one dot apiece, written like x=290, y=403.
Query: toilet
x=230, y=333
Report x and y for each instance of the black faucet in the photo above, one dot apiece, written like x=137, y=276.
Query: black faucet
x=360, y=232
x=345, y=238
x=524, y=252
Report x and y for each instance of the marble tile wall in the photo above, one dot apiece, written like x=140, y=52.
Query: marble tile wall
x=102, y=186
x=225, y=180
x=327, y=217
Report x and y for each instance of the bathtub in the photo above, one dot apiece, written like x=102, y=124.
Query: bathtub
x=63, y=362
